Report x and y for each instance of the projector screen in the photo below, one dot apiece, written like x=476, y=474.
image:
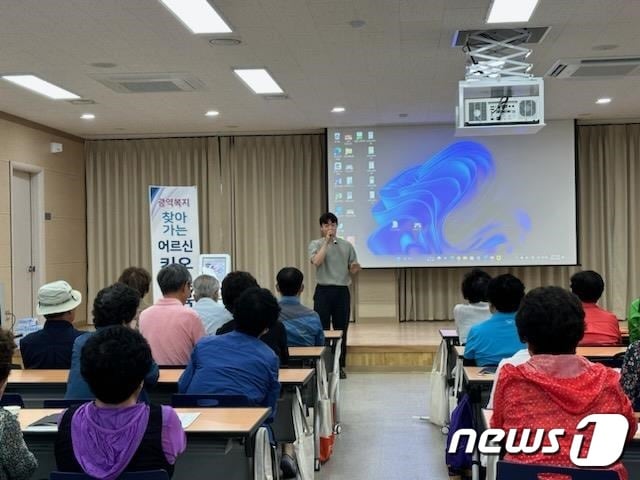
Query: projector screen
x=417, y=196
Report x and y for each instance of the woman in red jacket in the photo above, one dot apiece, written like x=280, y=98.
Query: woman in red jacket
x=556, y=388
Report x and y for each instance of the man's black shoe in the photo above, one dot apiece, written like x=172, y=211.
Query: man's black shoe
x=343, y=374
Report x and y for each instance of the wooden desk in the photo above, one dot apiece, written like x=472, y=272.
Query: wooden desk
x=214, y=442
x=306, y=353
x=473, y=375
x=588, y=352
x=447, y=333
x=600, y=352
x=38, y=385
x=332, y=335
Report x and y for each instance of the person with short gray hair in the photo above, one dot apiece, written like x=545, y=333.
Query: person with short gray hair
x=172, y=329
x=206, y=291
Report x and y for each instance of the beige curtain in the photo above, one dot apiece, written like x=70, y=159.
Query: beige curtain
x=278, y=194
x=119, y=173
x=609, y=216
x=259, y=199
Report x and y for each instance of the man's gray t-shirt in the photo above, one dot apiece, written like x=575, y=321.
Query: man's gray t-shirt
x=335, y=268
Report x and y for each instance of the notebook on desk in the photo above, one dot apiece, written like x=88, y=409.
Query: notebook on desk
x=48, y=423
x=488, y=370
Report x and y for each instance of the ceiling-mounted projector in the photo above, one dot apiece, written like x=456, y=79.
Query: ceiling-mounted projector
x=500, y=106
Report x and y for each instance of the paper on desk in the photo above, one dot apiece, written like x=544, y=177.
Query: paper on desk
x=45, y=424
x=187, y=419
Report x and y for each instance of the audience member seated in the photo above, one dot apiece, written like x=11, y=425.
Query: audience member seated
x=114, y=433
x=140, y=280
x=172, y=329
x=114, y=305
x=51, y=347
x=476, y=310
x=630, y=374
x=634, y=321
x=206, y=291
x=237, y=363
x=303, y=325
x=556, y=388
x=16, y=461
x=497, y=338
x=233, y=285
x=601, y=326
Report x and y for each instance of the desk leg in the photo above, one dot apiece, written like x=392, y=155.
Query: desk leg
x=316, y=419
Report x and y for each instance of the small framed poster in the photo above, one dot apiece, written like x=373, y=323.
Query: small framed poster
x=215, y=264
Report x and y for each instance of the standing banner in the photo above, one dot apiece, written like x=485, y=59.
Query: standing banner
x=175, y=231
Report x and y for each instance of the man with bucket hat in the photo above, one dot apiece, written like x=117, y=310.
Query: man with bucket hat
x=51, y=347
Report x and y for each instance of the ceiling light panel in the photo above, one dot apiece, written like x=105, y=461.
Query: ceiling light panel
x=511, y=11
x=198, y=15
x=258, y=80
x=38, y=85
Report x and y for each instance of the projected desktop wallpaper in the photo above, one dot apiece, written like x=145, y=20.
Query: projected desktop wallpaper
x=419, y=196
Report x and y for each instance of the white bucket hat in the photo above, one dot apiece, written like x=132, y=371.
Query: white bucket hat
x=57, y=297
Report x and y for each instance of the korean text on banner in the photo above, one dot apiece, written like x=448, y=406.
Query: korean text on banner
x=175, y=231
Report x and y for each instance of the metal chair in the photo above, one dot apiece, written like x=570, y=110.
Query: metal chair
x=529, y=471
x=209, y=400
x=144, y=475
x=11, y=399
x=64, y=403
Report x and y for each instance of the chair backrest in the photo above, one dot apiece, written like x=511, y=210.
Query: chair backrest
x=528, y=471
x=209, y=400
x=64, y=403
x=145, y=475
x=11, y=399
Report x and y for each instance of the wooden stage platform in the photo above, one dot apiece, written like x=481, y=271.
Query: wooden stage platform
x=393, y=346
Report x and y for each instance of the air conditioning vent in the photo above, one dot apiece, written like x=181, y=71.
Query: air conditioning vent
x=589, y=68
x=150, y=82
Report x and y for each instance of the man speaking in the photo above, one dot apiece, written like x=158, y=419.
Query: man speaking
x=335, y=259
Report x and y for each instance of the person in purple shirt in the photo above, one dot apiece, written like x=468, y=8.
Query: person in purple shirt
x=114, y=434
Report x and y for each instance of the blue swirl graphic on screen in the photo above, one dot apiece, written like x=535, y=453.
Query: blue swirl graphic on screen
x=415, y=205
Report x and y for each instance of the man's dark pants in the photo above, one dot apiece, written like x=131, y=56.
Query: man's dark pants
x=333, y=304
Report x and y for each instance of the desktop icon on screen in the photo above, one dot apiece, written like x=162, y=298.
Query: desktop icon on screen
x=349, y=167
x=394, y=224
x=337, y=151
x=372, y=180
x=348, y=151
x=372, y=165
x=348, y=138
x=349, y=195
x=336, y=136
x=371, y=150
x=337, y=166
x=359, y=135
x=370, y=135
x=372, y=195
x=338, y=181
x=349, y=180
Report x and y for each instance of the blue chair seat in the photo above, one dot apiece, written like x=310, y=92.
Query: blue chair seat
x=529, y=471
x=209, y=400
x=11, y=399
x=64, y=403
x=145, y=475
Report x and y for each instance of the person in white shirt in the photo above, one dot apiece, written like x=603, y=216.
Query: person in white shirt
x=206, y=291
x=476, y=310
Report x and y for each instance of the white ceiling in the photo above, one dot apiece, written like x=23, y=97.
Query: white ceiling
x=401, y=61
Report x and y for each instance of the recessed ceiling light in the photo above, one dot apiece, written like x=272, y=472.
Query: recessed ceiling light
x=198, y=15
x=258, y=80
x=38, y=85
x=225, y=42
x=103, y=64
x=338, y=110
x=357, y=23
x=605, y=46
x=509, y=11
x=212, y=113
x=87, y=116
x=603, y=101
